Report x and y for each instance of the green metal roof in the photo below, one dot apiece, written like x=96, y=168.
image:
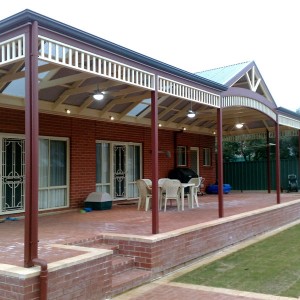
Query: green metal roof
x=223, y=75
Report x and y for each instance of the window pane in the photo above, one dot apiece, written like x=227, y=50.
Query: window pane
x=134, y=163
x=137, y=173
x=181, y=156
x=43, y=163
x=206, y=157
x=58, y=197
x=58, y=165
x=102, y=163
x=43, y=199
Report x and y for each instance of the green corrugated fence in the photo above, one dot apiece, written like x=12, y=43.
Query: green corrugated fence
x=253, y=175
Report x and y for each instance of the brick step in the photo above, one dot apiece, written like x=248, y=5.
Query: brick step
x=129, y=279
x=121, y=263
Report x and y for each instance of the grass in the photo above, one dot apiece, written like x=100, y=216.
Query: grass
x=271, y=266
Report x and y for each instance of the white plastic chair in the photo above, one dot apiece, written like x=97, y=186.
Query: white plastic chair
x=194, y=191
x=161, y=182
x=145, y=194
x=171, y=192
x=147, y=181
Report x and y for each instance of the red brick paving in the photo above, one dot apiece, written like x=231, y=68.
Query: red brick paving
x=74, y=226
x=69, y=227
x=170, y=292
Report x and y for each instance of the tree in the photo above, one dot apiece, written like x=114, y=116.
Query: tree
x=251, y=150
x=256, y=150
x=289, y=147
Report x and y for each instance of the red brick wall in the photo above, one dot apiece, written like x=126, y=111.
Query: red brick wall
x=89, y=280
x=12, y=121
x=18, y=288
x=83, y=135
x=176, y=248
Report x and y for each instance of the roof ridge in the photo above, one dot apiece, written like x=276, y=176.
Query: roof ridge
x=224, y=66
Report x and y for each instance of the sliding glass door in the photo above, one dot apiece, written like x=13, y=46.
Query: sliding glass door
x=118, y=166
x=53, y=173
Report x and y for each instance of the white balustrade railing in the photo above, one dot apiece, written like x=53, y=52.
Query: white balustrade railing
x=258, y=136
x=69, y=56
x=12, y=49
x=63, y=54
x=187, y=92
x=286, y=121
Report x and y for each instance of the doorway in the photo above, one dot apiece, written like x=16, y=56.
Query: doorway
x=118, y=168
x=194, y=156
x=12, y=162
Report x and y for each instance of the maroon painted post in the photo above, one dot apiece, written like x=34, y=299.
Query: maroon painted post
x=220, y=161
x=31, y=146
x=298, y=153
x=277, y=138
x=268, y=163
x=154, y=157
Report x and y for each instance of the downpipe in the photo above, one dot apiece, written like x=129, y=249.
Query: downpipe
x=43, y=277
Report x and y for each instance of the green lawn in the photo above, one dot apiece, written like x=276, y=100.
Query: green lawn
x=271, y=266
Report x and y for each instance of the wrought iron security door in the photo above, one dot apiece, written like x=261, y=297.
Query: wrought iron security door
x=119, y=171
x=13, y=174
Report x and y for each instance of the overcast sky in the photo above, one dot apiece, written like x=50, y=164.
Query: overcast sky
x=194, y=35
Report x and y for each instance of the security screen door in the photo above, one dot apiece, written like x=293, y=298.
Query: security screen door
x=12, y=174
x=119, y=157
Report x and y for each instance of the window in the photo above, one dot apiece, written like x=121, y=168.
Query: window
x=181, y=156
x=103, y=167
x=140, y=108
x=206, y=157
x=53, y=166
x=134, y=169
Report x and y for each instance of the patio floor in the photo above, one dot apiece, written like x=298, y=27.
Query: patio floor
x=73, y=226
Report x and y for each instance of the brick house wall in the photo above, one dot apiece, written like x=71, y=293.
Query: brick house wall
x=83, y=134
x=202, y=141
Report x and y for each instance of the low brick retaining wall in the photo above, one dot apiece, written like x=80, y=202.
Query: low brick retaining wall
x=86, y=276
x=163, y=252
x=89, y=276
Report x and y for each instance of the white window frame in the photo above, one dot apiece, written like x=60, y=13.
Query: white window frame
x=207, y=157
x=181, y=156
x=196, y=150
x=67, y=186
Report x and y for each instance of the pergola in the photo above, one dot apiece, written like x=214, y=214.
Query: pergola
x=49, y=67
